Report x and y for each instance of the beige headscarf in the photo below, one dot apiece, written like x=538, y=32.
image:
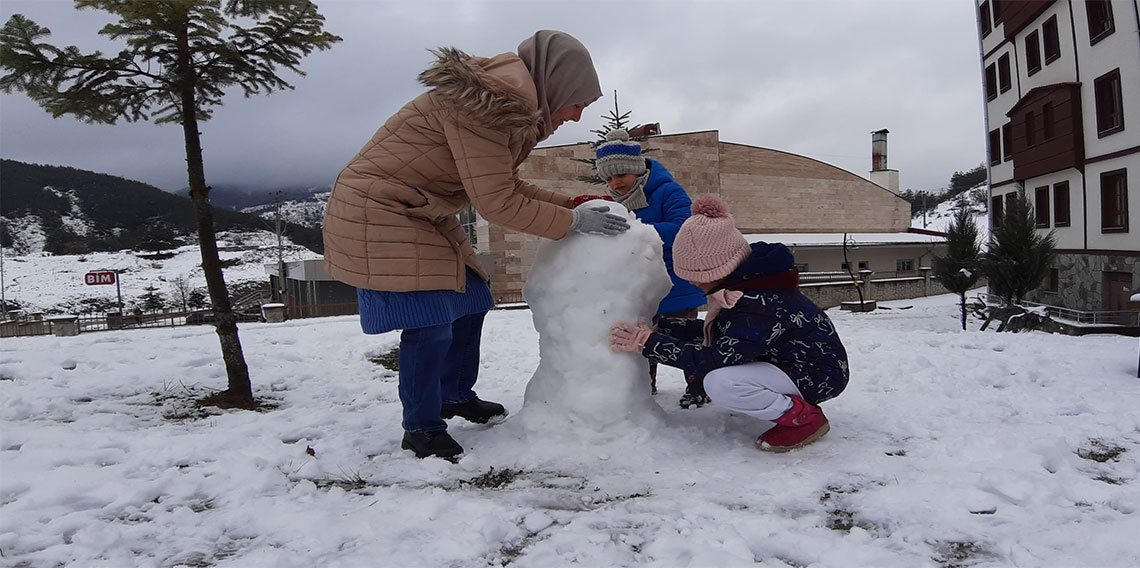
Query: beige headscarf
x=563, y=73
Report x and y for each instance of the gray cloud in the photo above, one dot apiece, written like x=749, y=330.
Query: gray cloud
x=812, y=77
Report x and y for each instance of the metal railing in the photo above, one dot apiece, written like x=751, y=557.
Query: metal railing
x=1127, y=318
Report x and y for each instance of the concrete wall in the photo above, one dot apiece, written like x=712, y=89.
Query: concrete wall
x=777, y=192
x=831, y=294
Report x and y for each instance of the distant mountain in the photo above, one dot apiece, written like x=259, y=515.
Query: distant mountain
x=239, y=197
x=72, y=211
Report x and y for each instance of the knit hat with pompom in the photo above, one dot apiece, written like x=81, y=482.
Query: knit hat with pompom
x=708, y=247
x=619, y=155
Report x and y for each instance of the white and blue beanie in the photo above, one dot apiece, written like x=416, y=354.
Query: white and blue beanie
x=619, y=155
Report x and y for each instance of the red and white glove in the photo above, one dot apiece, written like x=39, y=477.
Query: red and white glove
x=628, y=337
x=584, y=198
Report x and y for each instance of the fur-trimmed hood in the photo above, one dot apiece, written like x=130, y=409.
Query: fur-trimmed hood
x=495, y=92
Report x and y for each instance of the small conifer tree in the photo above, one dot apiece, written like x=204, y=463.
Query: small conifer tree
x=1018, y=257
x=614, y=119
x=958, y=271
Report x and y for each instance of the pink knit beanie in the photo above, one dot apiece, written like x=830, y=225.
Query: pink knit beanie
x=708, y=247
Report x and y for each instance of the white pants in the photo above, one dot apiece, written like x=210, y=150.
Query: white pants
x=759, y=390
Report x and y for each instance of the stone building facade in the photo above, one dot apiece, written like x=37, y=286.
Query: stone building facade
x=767, y=190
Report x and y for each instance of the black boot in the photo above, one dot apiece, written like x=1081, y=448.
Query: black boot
x=694, y=395
x=474, y=410
x=425, y=444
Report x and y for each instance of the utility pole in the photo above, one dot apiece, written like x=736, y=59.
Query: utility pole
x=280, y=230
x=3, y=302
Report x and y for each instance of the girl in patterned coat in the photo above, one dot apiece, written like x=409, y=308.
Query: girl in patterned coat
x=764, y=349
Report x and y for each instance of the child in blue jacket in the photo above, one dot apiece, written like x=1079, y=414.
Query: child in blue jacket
x=764, y=349
x=645, y=187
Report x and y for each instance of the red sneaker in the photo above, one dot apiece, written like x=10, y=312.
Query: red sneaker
x=801, y=425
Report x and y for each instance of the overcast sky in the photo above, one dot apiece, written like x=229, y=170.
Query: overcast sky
x=812, y=77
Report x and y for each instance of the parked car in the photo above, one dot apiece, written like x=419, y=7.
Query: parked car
x=207, y=317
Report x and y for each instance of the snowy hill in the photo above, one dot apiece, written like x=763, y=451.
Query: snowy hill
x=42, y=282
x=938, y=219
x=306, y=212
x=65, y=210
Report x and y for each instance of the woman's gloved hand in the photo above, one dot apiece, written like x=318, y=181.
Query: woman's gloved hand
x=596, y=221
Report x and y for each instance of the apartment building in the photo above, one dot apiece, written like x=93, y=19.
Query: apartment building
x=1062, y=89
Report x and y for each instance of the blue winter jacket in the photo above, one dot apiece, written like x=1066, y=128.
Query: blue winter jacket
x=772, y=322
x=668, y=208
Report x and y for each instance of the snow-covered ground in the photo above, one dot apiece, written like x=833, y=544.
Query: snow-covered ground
x=949, y=448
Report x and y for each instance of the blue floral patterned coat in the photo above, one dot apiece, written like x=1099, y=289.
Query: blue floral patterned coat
x=772, y=322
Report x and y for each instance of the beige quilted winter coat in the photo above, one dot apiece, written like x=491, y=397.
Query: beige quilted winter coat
x=392, y=224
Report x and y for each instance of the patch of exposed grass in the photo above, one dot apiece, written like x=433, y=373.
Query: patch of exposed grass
x=1101, y=451
x=389, y=360
x=959, y=554
x=494, y=479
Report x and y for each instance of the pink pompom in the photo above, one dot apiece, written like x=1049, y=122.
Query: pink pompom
x=710, y=206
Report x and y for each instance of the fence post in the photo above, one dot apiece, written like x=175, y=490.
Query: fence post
x=865, y=276
x=925, y=270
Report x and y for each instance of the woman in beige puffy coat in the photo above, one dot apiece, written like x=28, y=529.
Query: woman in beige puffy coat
x=392, y=230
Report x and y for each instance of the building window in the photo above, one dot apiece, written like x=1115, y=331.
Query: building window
x=1004, y=80
x=1061, y=204
x=845, y=266
x=997, y=11
x=1030, y=132
x=1051, y=40
x=863, y=265
x=1032, y=53
x=995, y=147
x=1054, y=280
x=904, y=265
x=1007, y=142
x=1047, y=118
x=1100, y=19
x=1109, y=104
x=1114, y=201
x=996, y=210
x=991, y=82
x=1041, y=206
x=984, y=18
x=467, y=219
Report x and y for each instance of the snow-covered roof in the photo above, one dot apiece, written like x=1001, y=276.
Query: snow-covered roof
x=836, y=239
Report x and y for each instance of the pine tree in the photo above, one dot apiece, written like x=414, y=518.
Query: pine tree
x=1018, y=257
x=181, y=57
x=614, y=119
x=958, y=271
x=152, y=300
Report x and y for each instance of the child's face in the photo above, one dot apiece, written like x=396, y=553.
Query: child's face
x=621, y=184
x=706, y=286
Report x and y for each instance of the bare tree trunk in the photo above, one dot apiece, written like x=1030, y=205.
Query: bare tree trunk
x=239, y=391
x=963, y=305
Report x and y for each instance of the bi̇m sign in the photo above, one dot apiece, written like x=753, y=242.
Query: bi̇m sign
x=93, y=278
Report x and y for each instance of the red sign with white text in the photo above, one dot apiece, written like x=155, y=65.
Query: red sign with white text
x=93, y=278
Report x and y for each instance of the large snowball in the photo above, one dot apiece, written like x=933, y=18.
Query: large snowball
x=578, y=287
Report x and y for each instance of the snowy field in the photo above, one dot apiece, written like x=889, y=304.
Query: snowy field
x=42, y=282
x=949, y=448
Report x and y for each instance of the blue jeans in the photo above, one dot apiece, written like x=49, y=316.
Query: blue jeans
x=438, y=364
